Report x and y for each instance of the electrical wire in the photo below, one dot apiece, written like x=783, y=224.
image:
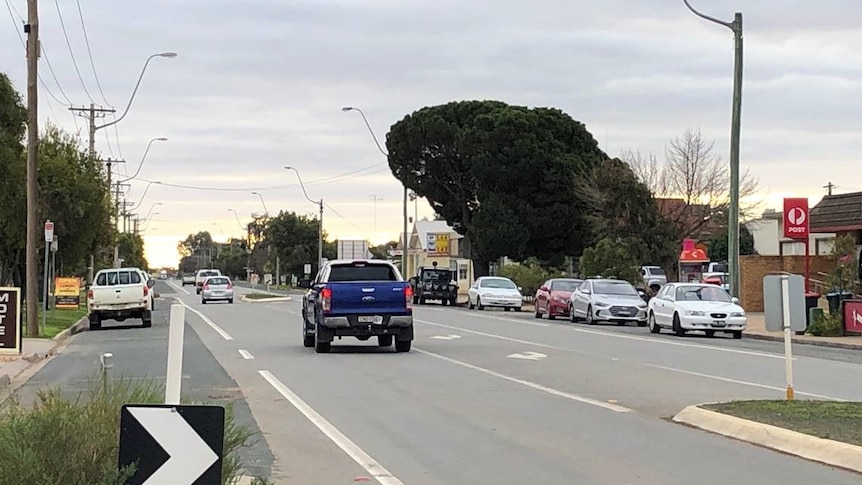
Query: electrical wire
x=72, y=52
x=342, y=217
x=90, y=53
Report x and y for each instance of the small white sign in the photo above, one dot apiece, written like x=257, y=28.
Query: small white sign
x=49, y=231
x=307, y=268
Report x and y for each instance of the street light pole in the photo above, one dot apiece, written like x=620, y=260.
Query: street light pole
x=320, y=225
x=404, y=241
x=735, y=126
x=265, y=210
x=143, y=158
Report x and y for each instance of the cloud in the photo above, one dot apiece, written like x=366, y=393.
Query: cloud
x=259, y=85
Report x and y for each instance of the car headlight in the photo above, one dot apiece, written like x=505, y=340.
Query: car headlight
x=695, y=313
x=601, y=304
x=642, y=306
x=737, y=314
x=561, y=300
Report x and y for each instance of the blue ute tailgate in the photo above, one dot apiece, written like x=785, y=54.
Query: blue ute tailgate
x=368, y=297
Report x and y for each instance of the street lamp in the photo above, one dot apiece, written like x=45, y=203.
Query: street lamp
x=265, y=210
x=148, y=220
x=140, y=202
x=237, y=219
x=385, y=154
x=735, y=124
x=143, y=158
x=151, y=210
x=168, y=55
x=320, y=224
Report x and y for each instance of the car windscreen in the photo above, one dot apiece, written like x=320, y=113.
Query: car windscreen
x=217, y=281
x=209, y=273
x=436, y=275
x=656, y=271
x=113, y=278
x=614, y=288
x=498, y=283
x=361, y=272
x=702, y=293
x=565, y=285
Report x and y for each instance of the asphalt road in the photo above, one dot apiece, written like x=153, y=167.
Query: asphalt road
x=141, y=354
x=493, y=397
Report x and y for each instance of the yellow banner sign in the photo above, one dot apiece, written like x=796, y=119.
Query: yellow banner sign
x=438, y=244
x=67, y=292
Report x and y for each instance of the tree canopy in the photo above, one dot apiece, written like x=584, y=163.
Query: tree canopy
x=504, y=176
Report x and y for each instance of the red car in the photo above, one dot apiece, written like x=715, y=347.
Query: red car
x=552, y=298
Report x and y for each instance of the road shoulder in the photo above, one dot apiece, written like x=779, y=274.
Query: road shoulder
x=806, y=446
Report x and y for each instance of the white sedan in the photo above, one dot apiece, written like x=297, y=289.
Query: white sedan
x=684, y=307
x=494, y=291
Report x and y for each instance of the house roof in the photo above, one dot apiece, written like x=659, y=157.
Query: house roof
x=837, y=213
x=422, y=228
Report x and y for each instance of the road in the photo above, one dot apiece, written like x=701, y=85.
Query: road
x=493, y=397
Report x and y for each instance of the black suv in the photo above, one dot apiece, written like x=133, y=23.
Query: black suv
x=435, y=284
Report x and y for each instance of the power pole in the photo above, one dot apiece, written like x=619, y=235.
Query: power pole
x=375, y=199
x=32, y=269
x=91, y=114
x=829, y=188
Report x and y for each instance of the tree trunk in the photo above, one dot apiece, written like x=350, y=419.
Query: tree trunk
x=481, y=266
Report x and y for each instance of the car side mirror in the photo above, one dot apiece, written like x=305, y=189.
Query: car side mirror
x=304, y=283
x=520, y=289
x=543, y=288
x=735, y=300
x=151, y=283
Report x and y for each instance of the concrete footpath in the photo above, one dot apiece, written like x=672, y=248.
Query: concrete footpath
x=757, y=330
x=15, y=370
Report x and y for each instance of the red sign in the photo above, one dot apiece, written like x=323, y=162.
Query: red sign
x=796, y=223
x=853, y=315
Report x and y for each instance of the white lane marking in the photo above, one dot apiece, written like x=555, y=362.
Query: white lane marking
x=501, y=337
x=744, y=383
x=206, y=320
x=282, y=309
x=650, y=339
x=375, y=469
x=245, y=354
x=528, y=356
x=531, y=385
x=493, y=317
x=178, y=287
x=451, y=336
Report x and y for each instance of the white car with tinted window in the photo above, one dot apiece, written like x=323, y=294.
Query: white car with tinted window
x=608, y=300
x=684, y=307
x=494, y=291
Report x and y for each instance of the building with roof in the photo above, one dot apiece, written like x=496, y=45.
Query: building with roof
x=436, y=241
x=769, y=240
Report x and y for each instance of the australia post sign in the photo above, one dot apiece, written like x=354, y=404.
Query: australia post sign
x=10, y=320
x=796, y=218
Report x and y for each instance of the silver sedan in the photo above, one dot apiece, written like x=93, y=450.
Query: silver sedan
x=217, y=288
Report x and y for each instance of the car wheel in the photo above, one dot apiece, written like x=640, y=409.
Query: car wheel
x=653, y=326
x=384, y=341
x=709, y=333
x=403, y=345
x=508, y=309
x=470, y=304
x=203, y=301
x=230, y=301
x=737, y=334
x=572, y=317
x=538, y=314
x=308, y=341
x=590, y=320
x=320, y=346
x=95, y=321
x=479, y=304
x=677, y=327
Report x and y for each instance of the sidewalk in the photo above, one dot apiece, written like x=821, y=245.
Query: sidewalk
x=756, y=329
x=16, y=369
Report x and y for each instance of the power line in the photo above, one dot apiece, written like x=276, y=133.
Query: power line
x=342, y=217
x=72, y=52
x=90, y=52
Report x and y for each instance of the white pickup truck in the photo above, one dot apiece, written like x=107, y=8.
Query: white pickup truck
x=118, y=294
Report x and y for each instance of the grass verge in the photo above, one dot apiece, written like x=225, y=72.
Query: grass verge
x=74, y=440
x=55, y=321
x=838, y=421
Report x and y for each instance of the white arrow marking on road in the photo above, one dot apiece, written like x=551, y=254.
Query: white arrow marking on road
x=189, y=454
x=451, y=336
x=528, y=356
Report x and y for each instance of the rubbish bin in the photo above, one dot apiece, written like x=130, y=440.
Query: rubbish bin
x=811, y=299
x=835, y=298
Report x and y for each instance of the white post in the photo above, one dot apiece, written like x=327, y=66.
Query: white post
x=174, y=375
x=788, y=353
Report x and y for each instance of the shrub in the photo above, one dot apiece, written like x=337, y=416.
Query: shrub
x=827, y=325
x=75, y=440
x=528, y=275
x=609, y=258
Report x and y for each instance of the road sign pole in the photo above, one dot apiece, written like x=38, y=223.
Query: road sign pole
x=174, y=375
x=45, y=289
x=788, y=351
x=807, y=264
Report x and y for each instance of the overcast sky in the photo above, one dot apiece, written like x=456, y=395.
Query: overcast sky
x=260, y=84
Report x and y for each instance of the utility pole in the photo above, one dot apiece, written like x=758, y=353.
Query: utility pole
x=829, y=188
x=735, y=127
x=375, y=199
x=32, y=269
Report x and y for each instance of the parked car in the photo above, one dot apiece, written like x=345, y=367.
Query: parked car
x=654, y=277
x=217, y=288
x=608, y=300
x=188, y=279
x=495, y=291
x=553, y=297
x=435, y=283
x=357, y=298
x=684, y=307
x=118, y=294
x=201, y=276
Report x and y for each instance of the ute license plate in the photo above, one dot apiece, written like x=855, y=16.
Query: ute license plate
x=371, y=319
x=719, y=323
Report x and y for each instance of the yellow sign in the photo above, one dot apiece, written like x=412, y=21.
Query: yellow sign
x=67, y=292
x=438, y=244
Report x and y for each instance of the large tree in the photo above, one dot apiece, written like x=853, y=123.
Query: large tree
x=504, y=176
x=694, y=173
x=13, y=229
x=624, y=211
